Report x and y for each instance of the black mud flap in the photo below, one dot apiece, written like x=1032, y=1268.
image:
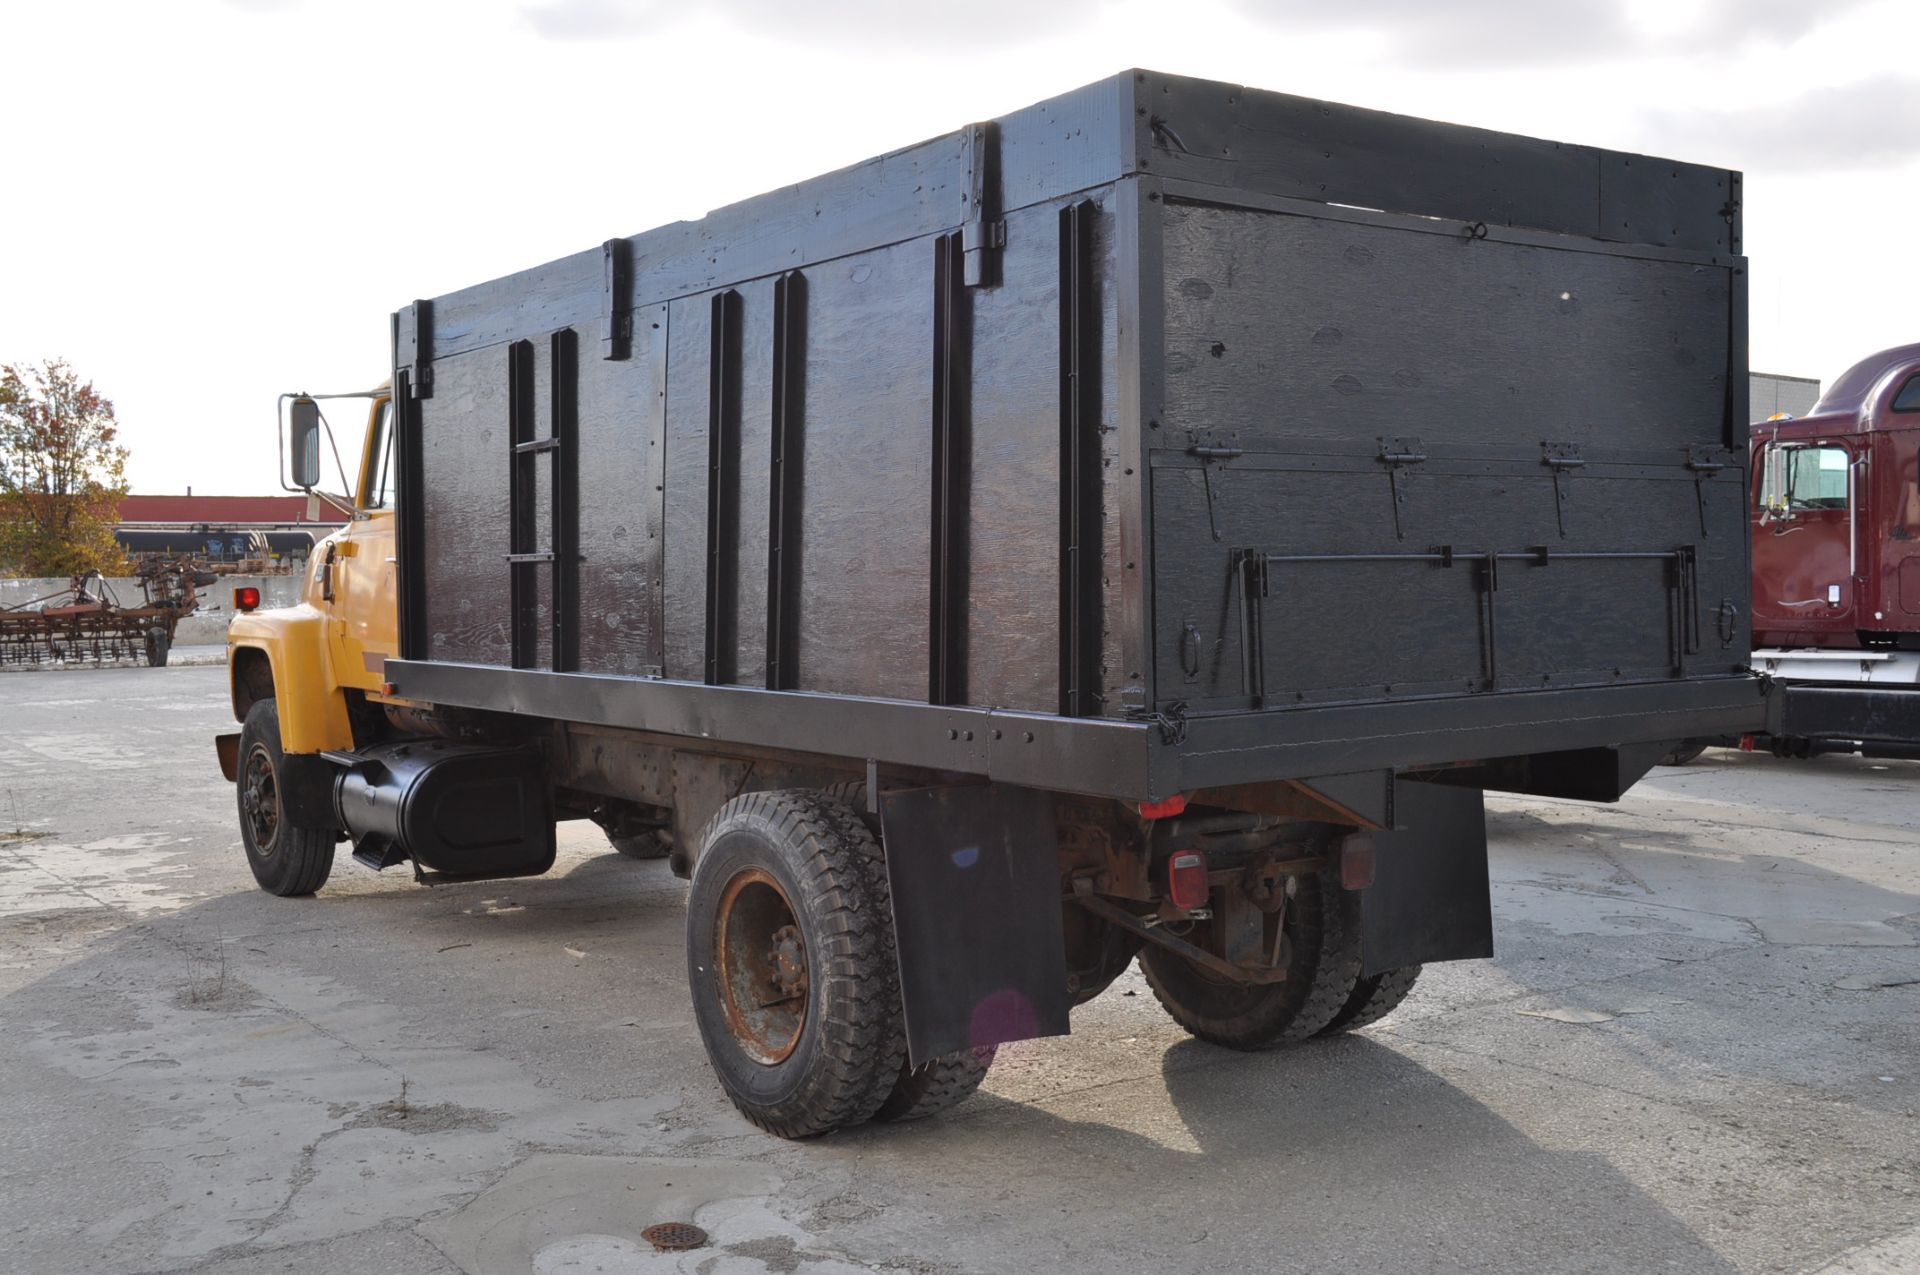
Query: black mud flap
x=975, y=877
x=1430, y=899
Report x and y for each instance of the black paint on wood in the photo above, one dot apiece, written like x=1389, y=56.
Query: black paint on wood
x=565, y=509
x=409, y=537
x=723, y=491
x=1187, y=354
x=952, y=444
x=1080, y=468
x=523, y=563
x=788, y=473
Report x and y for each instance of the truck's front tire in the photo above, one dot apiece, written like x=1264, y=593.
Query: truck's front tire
x=790, y=959
x=1322, y=924
x=286, y=859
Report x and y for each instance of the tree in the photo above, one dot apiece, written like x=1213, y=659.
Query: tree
x=62, y=473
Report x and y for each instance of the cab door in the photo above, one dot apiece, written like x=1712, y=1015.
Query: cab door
x=1805, y=548
x=363, y=623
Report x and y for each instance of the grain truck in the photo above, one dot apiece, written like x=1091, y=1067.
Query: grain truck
x=1141, y=526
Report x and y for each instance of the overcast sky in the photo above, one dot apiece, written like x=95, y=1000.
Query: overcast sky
x=211, y=201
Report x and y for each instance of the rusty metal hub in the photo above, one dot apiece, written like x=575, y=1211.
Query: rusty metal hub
x=760, y=960
x=260, y=799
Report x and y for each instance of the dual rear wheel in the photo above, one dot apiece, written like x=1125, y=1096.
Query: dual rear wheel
x=1324, y=992
x=790, y=955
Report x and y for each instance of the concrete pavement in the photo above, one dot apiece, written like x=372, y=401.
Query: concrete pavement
x=1697, y=1050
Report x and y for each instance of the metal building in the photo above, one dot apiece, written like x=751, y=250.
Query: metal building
x=1768, y=394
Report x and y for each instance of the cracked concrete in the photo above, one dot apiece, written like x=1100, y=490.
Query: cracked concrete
x=1695, y=1051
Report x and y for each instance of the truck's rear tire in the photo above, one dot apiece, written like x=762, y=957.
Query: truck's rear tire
x=947, y=1081
x=286, y=859
x=1374, y=997
x=790, y=959
x=1322, y=924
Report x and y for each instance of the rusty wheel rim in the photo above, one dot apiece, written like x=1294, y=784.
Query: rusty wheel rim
x=760, y=962
x=260, y=799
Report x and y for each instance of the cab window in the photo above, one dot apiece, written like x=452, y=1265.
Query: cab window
x=379, y=485
x=1908, y=399
x=1804, y=478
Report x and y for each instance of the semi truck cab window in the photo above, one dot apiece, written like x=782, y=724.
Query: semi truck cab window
x=1908, y=399
x=1812, y=478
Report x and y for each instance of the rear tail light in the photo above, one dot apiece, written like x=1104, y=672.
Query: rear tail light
x=246, y=598
x=1187, y=879
x=1174, y=805
x=1746, y=743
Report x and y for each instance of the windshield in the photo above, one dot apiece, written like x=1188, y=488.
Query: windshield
x=1815, y=478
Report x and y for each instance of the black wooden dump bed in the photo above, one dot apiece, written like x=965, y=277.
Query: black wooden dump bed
x=1161, y=436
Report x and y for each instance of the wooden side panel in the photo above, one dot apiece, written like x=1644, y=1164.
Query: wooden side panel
x=753, y=470
x=1294, y=565
x=617, y=476
x=684, y=561
x=1345, y=621
x=1284, y=328
x=1124, y=685
x=464, y=457
x=864, y=548
x=1013, y=620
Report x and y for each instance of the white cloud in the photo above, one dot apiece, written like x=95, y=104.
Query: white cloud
x=1871, y=124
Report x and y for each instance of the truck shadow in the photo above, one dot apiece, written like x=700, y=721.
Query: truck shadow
x=1340, y=1155
x=1088, y=1153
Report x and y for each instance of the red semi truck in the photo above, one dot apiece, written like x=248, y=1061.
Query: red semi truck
x=1836, y=565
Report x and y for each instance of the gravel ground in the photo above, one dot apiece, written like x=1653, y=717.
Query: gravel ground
x=1697, y=1050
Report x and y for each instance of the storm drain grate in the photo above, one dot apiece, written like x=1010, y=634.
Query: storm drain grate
x=673, y=1236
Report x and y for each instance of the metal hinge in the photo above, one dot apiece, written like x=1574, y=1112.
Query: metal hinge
x=1561, y=459
x=984, y=233
x=1396, y=454
x=413, y=347
x=1705, y=461
x=616, y=277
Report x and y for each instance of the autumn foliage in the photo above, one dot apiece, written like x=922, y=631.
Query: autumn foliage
x=62, y=473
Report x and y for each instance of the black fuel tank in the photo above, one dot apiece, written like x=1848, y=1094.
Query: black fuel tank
x=458, y=809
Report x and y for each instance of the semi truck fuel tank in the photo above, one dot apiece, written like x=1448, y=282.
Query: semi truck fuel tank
x=458, y=810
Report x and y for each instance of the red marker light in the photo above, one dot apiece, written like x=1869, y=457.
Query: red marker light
x=1746, y=743
x=1187, y=879
x=1176, y=804
x=246, y=598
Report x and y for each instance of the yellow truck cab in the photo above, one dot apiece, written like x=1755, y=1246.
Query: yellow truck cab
x=300, y=674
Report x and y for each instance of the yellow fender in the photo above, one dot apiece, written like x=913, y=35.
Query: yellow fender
x=293, y=640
